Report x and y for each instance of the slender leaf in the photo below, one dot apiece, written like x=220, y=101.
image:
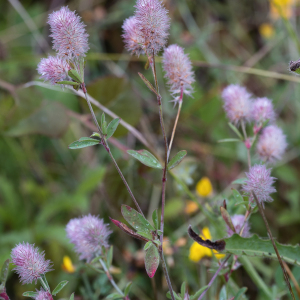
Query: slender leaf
x=155, y=219
x=148, y=84
x=112, y=126
x=103, y=124
x=145, y=234
x=255, y=246
x=59, y=287
x=239, y=181
x=75, y=76
x=223, y=293
x=236, y=131
x=198, y=293
x=109, y=256
x=240, y=293
x=147, y=245
x=30, y=294
x=183, y=289
x=174, y=294
x=72, y=296
x=68, y=82
x=176, y=159
x=114, y=296
x=146, y=158
x=127, y=288
x=81, y=67
x=4, y=273
x=237, y=196
x=96, y=134
x=229, y=140
x=84, y=142
x=151, y=260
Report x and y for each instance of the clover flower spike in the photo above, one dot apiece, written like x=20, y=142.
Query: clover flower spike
x=43, y=295
x=262, y=110
x=30, y=263
x=70, y=39
x=238, y=221
x=89, y=234
x=259, y=182
x=271, y=144
x=237, y=103
x=179, y=72
x=131, y=39
x=153, y=25
x=53, y=69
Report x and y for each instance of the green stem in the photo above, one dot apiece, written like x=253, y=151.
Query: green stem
x=255, y=276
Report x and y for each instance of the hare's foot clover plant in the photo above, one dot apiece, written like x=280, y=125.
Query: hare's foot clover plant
x=146, y=34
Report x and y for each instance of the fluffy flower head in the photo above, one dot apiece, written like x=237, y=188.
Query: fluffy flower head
x=179, y=72
x=153, y=25
x=238, y=221
x=260, y=182
x=43, y=295
x=69, y=36
x=89, y=234
x=131, y=39
x=237, y=103
x=53, y=69
x=30, y=263
x=271, y=144
x=262, y=110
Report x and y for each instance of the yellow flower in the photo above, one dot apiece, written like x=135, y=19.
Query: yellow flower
x=204, y=187
x=197, y=252
x=266, y=30
x=191, y=207
x=281, y=8
x=67, y=265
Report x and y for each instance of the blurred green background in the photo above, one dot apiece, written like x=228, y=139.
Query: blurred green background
x=43, y=184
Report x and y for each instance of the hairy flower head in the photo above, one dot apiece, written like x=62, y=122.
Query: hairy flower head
x=271, y=144
x=237, y=103
x=238, y=221
x=259, y=182
x=89, y=234
x=43, y=295
x=153, y=25
x=30, y=263
x=178, y=68
x=70, y=39
x=131, y=38
x=262, y=110
x=53, y=69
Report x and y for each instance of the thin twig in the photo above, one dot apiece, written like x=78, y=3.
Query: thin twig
x=285, y=275
x=294, y=280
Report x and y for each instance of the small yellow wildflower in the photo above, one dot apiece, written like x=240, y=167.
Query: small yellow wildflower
x=191, y=207
x=204, y=187
x=197, y=252
x=266, y=30
x=67, y=265
x=281, y=8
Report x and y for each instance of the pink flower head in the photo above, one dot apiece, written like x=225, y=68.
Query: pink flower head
x=43, y=295
x=260, y=183
x=70, y=39
x=237, y=103
x=53, y=69
x=153, y=24
x=179, y=72
x=30, y=263
x=89, y=234
x=271, y=144
x=238, y=221
x=131, y=39
x=262, y=110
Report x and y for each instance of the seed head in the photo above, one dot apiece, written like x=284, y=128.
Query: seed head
x=89, y=234
x=262, y=110
x=179, y=72
x=237, y=103
x=53, y=69
x=70, y=39
x=271, y=144
x=30, y=263
x=260, y=183
x=238, y=221
x=131, y=39
x=153, y=25
x=43, y=295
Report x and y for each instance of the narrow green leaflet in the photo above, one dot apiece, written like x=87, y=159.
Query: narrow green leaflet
x=223, y=293
x=175, y=295
x=229, y=140
x=176, y=159
x=155, y=219
x=30, y=294
x=198, y=293
x=151, y=260
x=241, y=292
x=67, y=82
x=59, y=287
x=146, y=158
x=75, y=76
x=255, y=246
x=136, y=220
x=183, y=289
x=240, y=181
x=147, y=245
x=236, y=131
x=103, y=124
x=112, y=126
x=114, y=296
x=72, y=297
x=109, y=256
x=127, y=288
x=84, y=142
x=145, y=234
x=237, y=195
x=148, y=84
x=4, y=273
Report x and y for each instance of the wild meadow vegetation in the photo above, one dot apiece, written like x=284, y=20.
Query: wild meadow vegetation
x=149, y=149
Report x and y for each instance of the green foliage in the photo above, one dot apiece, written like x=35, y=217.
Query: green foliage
x=151, y=260
x=146, y=158
x=59, y=287
x=84, y=142
x=176, y=159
